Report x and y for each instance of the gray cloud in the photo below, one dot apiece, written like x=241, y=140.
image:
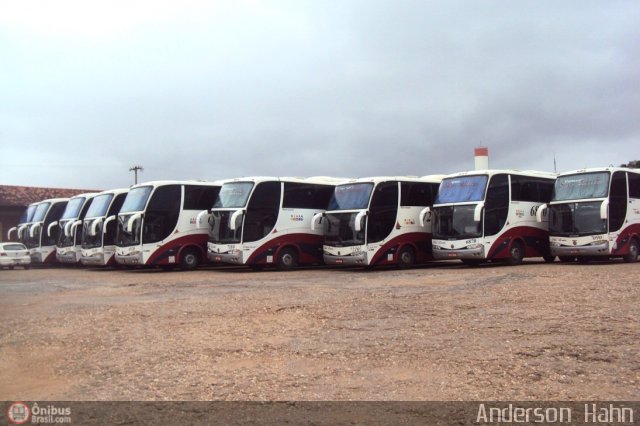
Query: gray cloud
x=345, y=88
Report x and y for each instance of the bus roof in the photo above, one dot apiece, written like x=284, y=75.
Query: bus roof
x=53, y=200
x=491, y=172
x=319, y=180
x=176, y=182
x=378, y=179
x=599, y=169
x=114, y=191
x=85, y=195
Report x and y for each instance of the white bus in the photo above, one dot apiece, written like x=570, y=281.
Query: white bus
x=23, y=223
x=69, y=245
x=595, y=213
x=261, y=221
x=41, y=234
x=99, y=228
x=380, y=221
x=491, y=215
x=157, y=224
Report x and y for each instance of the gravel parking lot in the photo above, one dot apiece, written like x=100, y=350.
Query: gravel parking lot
x=440, y=332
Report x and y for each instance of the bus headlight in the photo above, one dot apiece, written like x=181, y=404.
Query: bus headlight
x=555, y=244
x=599, y=243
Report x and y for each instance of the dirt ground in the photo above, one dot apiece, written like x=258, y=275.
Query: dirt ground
x=440, y=332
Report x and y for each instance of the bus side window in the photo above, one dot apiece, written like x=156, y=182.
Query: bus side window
x=83, y=213
x=545, y=188
x=306, y=196
x=200, y=197
x=617, y=201
x=634, y=185
x=417, y=194
x=114, y=209
x=162, y=213
x=383, y=211
x=496, y=205
x=262, y=211
x=55, y=213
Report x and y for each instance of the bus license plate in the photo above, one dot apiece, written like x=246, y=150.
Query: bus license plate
x=453, y=255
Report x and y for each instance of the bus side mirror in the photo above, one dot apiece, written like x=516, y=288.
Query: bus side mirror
x=131, y=221
x=107, y=220
x=604, y=210
x=94, y=226
x=423, y=216
x=233, y=218
x=477, y=212
x=358, y=224
x=317, y=218
x=540, y=212
x=51, y=225
x=10, y=231
x=74, y=225
x=32, y=230
x=199, y=218
x=20, y=229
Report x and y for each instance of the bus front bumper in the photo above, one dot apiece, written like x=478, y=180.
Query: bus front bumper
x=234, y=257
x=130, y=259
x=67, y=255
x=96, y=257
x=356, y=259
x=462, y=253
x=600, y=249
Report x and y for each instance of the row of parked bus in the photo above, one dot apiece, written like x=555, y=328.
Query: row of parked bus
x=475, y=216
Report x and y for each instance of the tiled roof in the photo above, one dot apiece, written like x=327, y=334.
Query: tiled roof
x=16, y=196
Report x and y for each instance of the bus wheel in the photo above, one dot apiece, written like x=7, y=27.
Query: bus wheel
x=189, y=259
x=633, y=251
x=567, y=259
x=287, y=259
x=406, y=258
x=516, y=253
x=549, y=258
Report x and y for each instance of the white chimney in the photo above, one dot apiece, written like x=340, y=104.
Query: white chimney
x=482, y=158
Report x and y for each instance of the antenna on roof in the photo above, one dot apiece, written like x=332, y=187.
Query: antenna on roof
x=135, y=169
x=555, y=168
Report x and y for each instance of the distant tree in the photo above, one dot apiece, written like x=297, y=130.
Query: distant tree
x=635, y=164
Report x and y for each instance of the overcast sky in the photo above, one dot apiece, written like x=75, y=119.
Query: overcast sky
x=223, y=89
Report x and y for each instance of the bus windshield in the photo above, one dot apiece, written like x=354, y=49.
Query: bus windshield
x=353, y=196
x=462, y=189
x=233, y=195
x=41, y=210
x=99, y=206
x=136, y=199
x=582, y=186
x=28, y=214
x=73, y=208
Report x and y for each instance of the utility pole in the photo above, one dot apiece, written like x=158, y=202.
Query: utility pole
x=135, y=169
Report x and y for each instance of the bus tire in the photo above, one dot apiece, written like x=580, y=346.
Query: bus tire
x=516, y=253
x=567, y=259
x=549, y=259
x=287, y=259
x=633, y=252
x=406, y=257
x=189, y=259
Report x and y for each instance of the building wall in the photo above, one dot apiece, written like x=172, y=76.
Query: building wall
x=9, y=217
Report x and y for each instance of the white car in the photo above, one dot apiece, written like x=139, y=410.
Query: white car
x=14, y=254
